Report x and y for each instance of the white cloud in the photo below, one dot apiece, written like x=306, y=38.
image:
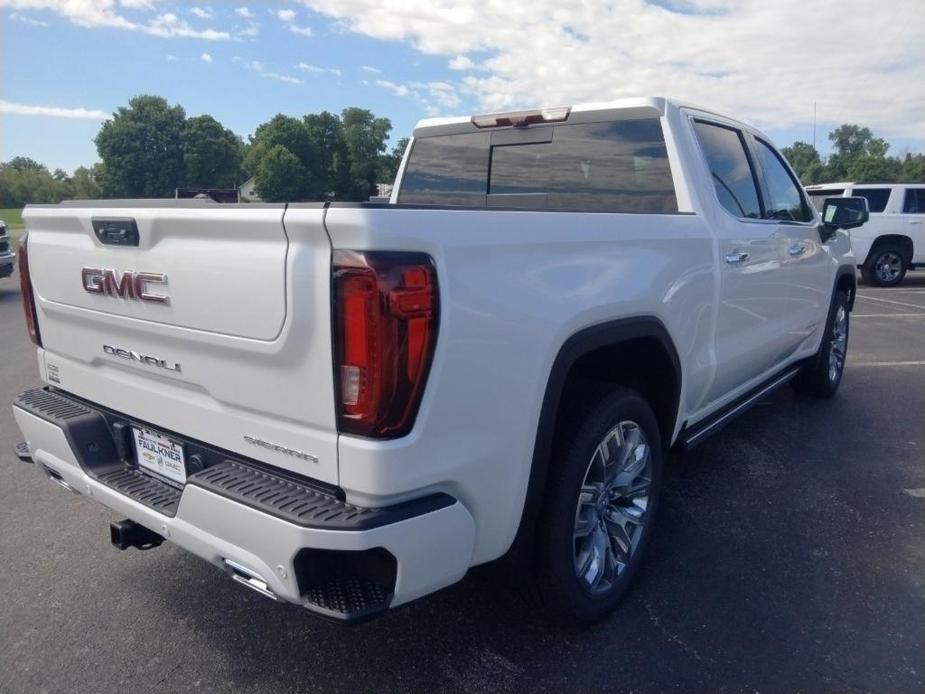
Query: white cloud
x=202, y=12
x=168, y=25
x=301, y=31
x=250, y=31
x=261, y=69
x=434, y=97
x=318, y=70
x=396, y=89
x=763, y=61
x=288, y=18
x=282, y=78
x=107, y=13
x=370, y=68
x=206, y=58
x=52, y=111
x=16, y=17
x=244, y=12
x=171, y=58
x=461, y=62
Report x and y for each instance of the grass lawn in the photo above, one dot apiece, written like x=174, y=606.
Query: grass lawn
x=12, y=216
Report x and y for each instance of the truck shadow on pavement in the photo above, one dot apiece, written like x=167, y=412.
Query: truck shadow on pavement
x=752, y=580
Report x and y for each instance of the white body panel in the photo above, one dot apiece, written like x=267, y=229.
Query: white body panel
x=250, y=323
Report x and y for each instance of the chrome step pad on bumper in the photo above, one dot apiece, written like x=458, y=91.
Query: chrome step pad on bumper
x=90, y=431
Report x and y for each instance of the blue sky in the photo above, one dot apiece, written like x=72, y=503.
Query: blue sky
x=65, y=65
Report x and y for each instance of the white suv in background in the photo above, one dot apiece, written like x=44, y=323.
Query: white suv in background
x=893, y=241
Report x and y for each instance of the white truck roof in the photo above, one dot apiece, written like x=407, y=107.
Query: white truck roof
x=656, y=105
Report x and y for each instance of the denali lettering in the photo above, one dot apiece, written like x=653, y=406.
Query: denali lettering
x=280, y=449
x=141, y=358
x=126, y=285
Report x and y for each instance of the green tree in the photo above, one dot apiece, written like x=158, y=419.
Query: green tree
x=24, y=181
x=329, y=168
x=86, y=183
x=392, y=160
x=212, y=154
x=913, y=168
x=364, y=137
x=142, y=148
x=291, y=135
x=279, y=175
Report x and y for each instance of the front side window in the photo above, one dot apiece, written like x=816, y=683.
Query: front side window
x=732, y=174
x=784, y=200
x=877, y=198
x=914, y=202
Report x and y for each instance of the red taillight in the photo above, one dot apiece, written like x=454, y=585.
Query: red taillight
x=28, y=298
x=385, y=329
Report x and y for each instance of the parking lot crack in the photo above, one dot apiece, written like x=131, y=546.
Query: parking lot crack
x=671, y=636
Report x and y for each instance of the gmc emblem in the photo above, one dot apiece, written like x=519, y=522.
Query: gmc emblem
x=127, y=285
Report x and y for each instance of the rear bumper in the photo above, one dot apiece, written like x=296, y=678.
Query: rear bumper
x=428, y=541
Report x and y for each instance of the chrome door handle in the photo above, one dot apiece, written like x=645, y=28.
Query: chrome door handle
x=736, y=257
x=797, y=249
x=914, y=221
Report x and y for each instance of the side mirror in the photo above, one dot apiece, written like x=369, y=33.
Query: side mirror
x=844, y=213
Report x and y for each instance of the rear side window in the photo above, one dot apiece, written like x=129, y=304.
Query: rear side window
x=447, y=170
x=877, y=198
x=617, y=166
x=914, y=202
x=730, y=169
x=784, y=199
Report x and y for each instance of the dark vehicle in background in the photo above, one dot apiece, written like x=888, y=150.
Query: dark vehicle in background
x=7, y=257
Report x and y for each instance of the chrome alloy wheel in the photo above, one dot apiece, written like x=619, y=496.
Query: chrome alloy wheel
x=838, y=347
x=612, y=505
x=888, y=267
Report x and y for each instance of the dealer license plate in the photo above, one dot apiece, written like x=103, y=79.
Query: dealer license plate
x=159, y=455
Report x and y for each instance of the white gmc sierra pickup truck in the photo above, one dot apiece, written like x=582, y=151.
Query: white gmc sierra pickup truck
x=347, y=406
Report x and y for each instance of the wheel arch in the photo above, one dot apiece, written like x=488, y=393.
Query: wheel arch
x=846, y=279
x=588, y=343
x=901, y=240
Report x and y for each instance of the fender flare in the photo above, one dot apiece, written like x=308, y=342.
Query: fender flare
x=850, y=271
x=584, y=341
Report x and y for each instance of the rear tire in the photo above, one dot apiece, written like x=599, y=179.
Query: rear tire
x=601, y=500
x=886, y=266
x=822, y=374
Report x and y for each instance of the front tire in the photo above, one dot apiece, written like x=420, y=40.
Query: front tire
x=822, y=374
x=602, y=496
x=886, y=266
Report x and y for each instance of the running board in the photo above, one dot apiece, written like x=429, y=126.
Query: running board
x=701, y=431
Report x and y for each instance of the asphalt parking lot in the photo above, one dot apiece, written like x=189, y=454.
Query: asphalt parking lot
x=790, y=554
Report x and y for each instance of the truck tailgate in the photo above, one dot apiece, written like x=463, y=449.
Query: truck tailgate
x=234, y=348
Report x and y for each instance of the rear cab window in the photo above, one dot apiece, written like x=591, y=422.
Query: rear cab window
x=730, y=168
x=611, y=166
